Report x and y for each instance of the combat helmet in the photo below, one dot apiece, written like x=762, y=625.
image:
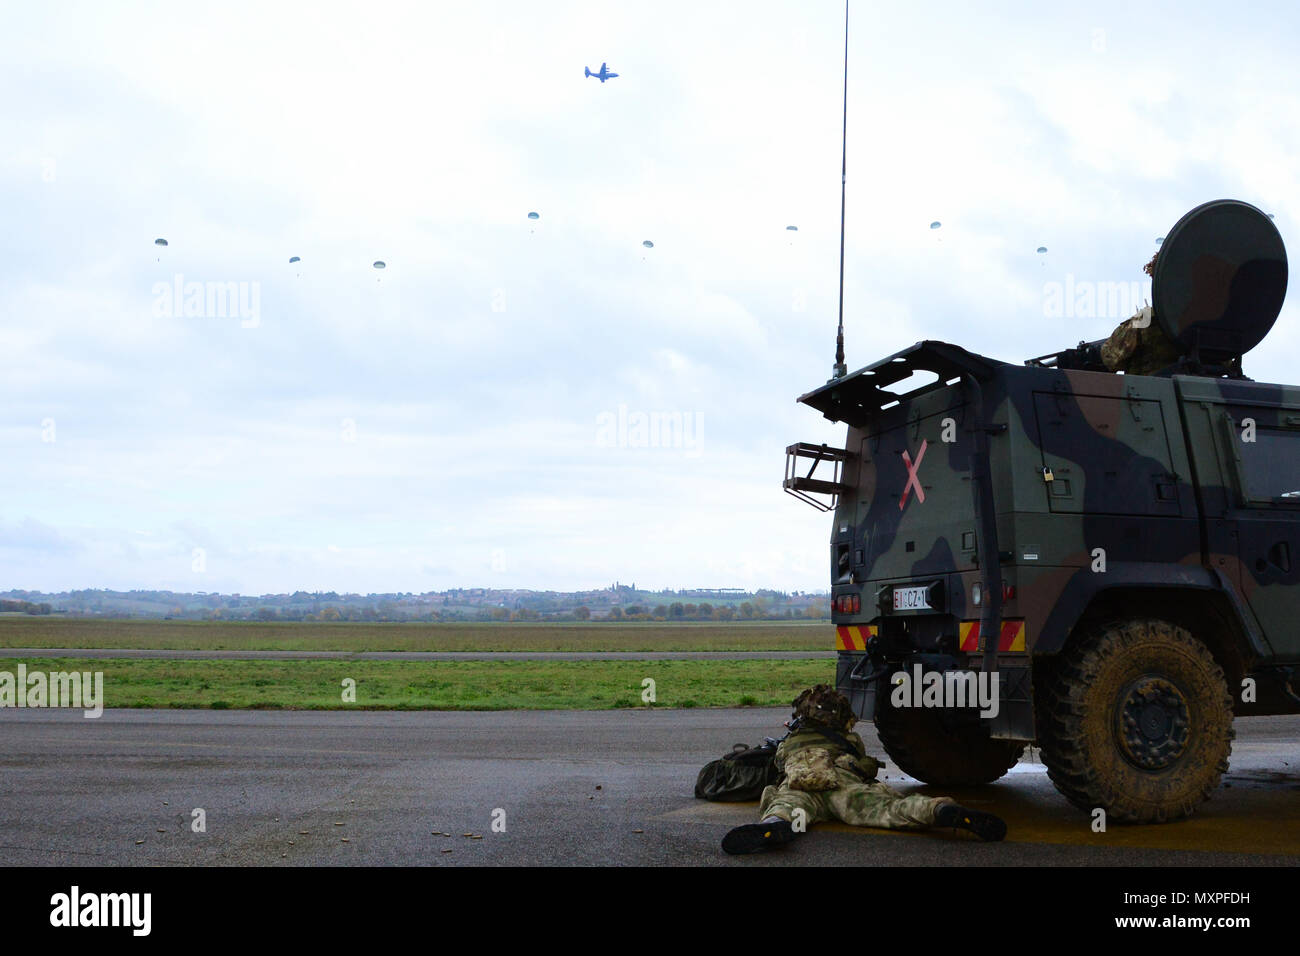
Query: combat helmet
x=823, y=704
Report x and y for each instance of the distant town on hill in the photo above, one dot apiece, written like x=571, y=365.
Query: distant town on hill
x=618, y=602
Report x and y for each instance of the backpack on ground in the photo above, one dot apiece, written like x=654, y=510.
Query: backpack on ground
x=740, y=775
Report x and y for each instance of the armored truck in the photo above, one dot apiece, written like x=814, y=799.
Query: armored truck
x=1069, y=554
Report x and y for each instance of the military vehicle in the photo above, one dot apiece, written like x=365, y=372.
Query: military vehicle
x=1117, y=554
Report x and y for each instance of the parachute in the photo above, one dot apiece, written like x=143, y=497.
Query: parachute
x=1042, y=249
x=936, y=224
x=791, y=228
x=533, y=215
x=160, y=242
x=648, y=244
x=294, y=259
x=380, y=264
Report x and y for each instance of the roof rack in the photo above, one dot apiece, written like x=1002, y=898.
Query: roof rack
x=856, y=397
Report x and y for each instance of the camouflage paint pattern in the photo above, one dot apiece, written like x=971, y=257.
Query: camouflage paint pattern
x=1110, y=492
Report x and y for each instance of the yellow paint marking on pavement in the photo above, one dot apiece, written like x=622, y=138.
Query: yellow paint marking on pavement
x=1237, y=819
x=1252, y=818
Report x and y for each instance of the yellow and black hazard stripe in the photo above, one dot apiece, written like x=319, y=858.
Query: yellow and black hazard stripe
x=1012, y=637
x=853, y=637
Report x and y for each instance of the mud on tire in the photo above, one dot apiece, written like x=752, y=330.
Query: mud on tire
x=944, y=749
x=1135, y=718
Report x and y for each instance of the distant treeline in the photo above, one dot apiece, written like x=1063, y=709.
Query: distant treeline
x=26, y=607
x=619, y=603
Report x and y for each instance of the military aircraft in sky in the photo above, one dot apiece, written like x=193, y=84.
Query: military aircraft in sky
x=603, y=75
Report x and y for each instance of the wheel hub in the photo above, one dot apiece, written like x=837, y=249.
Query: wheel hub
x=1153, y=723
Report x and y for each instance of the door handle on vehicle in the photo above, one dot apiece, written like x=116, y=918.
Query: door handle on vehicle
x=1278, y=559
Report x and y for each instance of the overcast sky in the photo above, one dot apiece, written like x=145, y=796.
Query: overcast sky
x=467, y=416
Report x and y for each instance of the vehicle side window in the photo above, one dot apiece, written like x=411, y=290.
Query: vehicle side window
x=1270, y=466
x=1262, y=455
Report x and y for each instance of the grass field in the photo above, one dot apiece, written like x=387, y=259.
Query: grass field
x=27, y=631
x=458, y=685
x=430, y=685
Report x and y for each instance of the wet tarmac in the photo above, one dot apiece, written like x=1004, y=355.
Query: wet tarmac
x=531, y=787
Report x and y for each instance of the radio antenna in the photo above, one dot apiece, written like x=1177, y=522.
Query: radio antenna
x=840, y=368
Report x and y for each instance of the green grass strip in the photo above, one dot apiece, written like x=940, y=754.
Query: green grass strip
x=438, y=685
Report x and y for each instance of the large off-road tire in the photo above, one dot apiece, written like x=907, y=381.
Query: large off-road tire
x=1135, y=717
x=944, y=749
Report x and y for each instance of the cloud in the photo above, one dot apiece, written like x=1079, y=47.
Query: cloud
x=395, y=430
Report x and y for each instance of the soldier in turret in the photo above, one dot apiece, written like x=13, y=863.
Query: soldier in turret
x=1137, y=346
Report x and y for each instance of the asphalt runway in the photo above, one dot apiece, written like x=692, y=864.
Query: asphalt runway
x=587, y=788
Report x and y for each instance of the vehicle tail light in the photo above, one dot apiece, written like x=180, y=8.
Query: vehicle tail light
x=977, y=593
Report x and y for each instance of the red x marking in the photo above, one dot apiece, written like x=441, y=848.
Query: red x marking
x=912, y=480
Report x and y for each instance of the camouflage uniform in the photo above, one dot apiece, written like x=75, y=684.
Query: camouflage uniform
x=808, y=759
x=1138, y=347
x=825, y=778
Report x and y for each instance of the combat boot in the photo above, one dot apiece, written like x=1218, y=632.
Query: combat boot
x=757, y=837
x=986, y=826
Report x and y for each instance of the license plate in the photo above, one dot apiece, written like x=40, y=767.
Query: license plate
x=912, y=599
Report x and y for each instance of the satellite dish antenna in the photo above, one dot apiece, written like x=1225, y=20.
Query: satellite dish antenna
x=1219, y=280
